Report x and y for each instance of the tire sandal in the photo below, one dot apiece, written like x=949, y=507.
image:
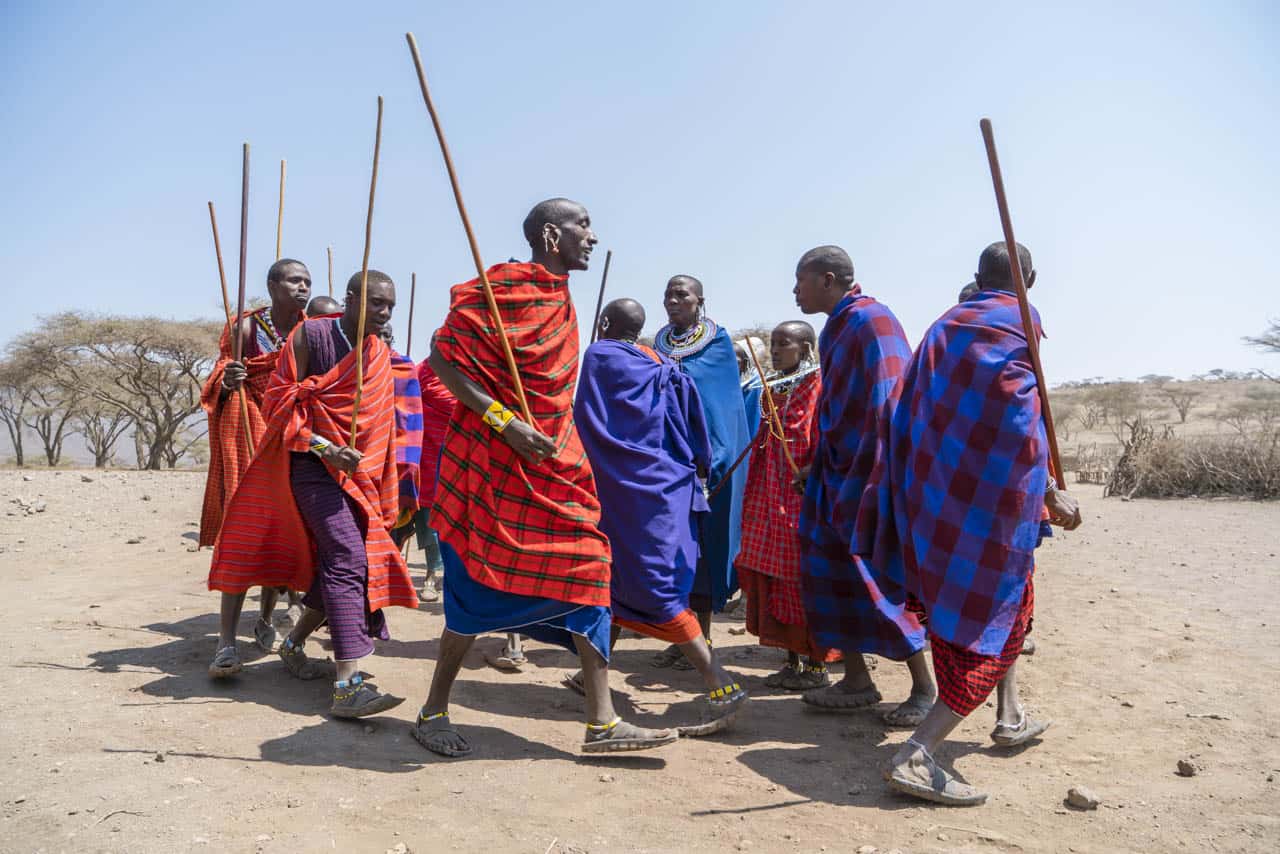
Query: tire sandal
x=508, y=660
x=428, y=729
x=721, y=710
x=618, y=736
x=1015, y=735
x=775, y=680
x=909, y=713
x=832, y=699
x=300, y=665
x=264, y=635
x=806, y=677
x=575, y=683
x=941, y=788
x=226, y=663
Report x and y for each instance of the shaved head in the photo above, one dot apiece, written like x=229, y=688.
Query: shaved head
x=798, y=330
x=278, y=269
x=688, y=281
x=556, y=211
x=376, y=277
x=828, y=259
x=622, y=320
x=323, y=305
x=994, y=270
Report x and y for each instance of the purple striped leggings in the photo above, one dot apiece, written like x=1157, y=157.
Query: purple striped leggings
x=339, y=588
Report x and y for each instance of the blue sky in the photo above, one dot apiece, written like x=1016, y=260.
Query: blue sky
x=719, y=139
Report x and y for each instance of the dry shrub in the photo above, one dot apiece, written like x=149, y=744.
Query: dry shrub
x=1172, y=466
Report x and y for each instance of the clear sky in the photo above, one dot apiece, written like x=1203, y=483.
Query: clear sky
x=1140, y=141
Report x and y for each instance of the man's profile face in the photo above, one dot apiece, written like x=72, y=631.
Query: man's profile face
x=292, y=286
x=811, y=290
x=576, y=240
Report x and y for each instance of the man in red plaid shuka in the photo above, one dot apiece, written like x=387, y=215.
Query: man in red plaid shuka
x=768, y=563
x=516, y=507
x=967, y=477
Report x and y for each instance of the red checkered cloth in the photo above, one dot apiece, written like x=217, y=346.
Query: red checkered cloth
x=771, y=506
x=966, y=679
x=228, y=454
x=529, y=529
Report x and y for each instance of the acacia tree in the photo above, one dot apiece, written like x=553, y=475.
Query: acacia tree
x=149, y=368
x=16, y=388
x=101, y=424
x=1268, y=342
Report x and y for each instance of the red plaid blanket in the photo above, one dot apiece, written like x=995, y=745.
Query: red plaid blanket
x=522, y=528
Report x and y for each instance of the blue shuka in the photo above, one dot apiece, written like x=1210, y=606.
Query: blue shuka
x=710, y=361
x=640, y=420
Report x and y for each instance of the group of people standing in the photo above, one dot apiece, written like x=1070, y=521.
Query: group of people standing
x=865, y=498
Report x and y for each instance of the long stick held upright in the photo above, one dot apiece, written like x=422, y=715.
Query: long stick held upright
x=595, y=327
x=1024, y=305
x=329, y=251
x=280, y=213
x=471, y=238
x=233, y=328
x=772, y=407
x=244, y=248
x=413, y=294
x=364, y=280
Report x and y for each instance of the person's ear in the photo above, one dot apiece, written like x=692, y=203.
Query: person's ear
x=1031, y=280
x=551, y=238
x=828, y=279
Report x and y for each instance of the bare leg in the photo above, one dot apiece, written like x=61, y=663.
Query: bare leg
x=856, y=675
x=915, y=772
x=704, y=620
x=595, y=679
x=311, y=620
x=605, y=730
x=911, y=711
x=1008, y=709
x=453, y=649
x=270, y=596
x=707, y=663
x=232, y=604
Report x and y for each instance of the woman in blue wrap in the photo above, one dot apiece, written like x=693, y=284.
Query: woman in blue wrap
x=705, y=352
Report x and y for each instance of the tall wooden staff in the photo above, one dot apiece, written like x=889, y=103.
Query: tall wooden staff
x=237, y=344
x=595, y=327
x=772, y=408
x=329, y=250
x=280, y=213
x=1024, y=306
x=364, y=280
x=413, y=293
x=233, y=328
x=471, y=238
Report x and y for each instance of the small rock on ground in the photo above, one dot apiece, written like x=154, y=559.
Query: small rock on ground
x=1188, y=767
x=1082, y=798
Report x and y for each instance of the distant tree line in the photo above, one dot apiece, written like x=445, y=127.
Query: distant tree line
x=107, y=377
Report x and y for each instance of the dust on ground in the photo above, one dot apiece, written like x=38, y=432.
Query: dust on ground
x=1157, y=630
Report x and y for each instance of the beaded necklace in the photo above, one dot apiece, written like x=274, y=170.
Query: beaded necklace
x=694, y=340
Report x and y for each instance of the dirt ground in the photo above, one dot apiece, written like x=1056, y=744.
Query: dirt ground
x=1157, y=626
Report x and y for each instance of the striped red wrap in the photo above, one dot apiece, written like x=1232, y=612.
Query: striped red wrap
x=519, y=527
x=264, y=540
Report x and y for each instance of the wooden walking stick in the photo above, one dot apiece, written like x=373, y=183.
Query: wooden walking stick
x=772, y=408
x=233, y=328
x=329, y=250
x=1024, y=305
x=595, y=327
x=413, y=293
x=280, y=213
x=364, y=280
x=728, y=476
x=471, y=237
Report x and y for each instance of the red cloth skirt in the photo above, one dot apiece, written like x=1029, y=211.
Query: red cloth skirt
x=966, y=679
x=761, y=592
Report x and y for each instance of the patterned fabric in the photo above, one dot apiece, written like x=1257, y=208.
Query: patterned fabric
x=641, y=423
x=714, y=370
x=437, y=408
x=760, y=592
x=408, y=403
x=852, y=603
x=264, y=540
x=771, y=506
x=966, y=473
x=522, y=528
x=339, y=587
x=682, y=628
x=965, y=678
x=228, y=455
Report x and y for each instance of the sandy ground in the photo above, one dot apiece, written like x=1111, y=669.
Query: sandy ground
x=1157, y=631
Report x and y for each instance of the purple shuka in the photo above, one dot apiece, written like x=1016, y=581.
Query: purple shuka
x=967, y=470
x=641, y=422
x=340, y=587
x=850, y=602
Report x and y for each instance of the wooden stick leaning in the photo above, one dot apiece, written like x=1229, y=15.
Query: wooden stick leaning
x=595, y=327
x=413, y=293
x=233, y=328
x=364, y=281
x=1024, y=305
x=471, y=238
x=728, y=476
x=280, y=213
x=329, y=251
x=772, y=408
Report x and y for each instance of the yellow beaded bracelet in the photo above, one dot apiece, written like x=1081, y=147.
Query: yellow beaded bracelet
x=498, y=416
